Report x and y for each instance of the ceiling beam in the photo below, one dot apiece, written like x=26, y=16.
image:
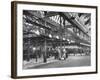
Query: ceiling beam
x=54, y=24
x=50, y=14
x=67, y=16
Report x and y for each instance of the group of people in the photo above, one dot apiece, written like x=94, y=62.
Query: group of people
x=61, y=53
x=57, y=53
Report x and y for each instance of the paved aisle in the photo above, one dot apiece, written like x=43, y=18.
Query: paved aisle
x=72, y=61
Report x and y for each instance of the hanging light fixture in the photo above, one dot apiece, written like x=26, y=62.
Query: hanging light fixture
x=57, y=37
x=37, y=32
x=64, y=39
x=50, y=35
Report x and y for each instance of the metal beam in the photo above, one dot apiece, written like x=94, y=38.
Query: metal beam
x=74, y=22
x=50, y=14
x=55, y=24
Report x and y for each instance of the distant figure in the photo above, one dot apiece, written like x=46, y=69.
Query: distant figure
x=35, y=54
x=56, y=54
x=59, y=53
x=64, y=54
